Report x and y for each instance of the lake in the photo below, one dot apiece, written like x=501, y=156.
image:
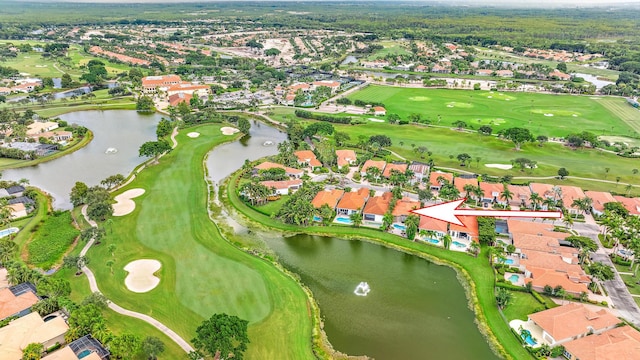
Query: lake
x=124, y=130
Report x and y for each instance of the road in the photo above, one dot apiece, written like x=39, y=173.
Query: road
x=618, y=292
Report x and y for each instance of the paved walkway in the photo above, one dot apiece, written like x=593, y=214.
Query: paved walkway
x=120, y=310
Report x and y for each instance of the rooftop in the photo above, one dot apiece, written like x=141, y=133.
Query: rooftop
x=621, y=343
x=572, y=320
x=26, y=330
x=329, y=197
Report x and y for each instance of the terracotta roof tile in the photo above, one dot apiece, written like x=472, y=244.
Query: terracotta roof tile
x=329, y=197
x=621, y=343
x=572, y=320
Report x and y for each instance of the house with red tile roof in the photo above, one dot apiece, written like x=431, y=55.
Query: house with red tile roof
x=541, y=277
x=438, y=178
x=491, y=194
x=548, y=244
x=622, y=343
x=543, y=269
x=295, y=173
x=401, y=168
x=560, y=75
x=307, y=158
x=304, y=87
x=376, y=207
x=352, y=202
x=460, y=183
x=438, y=226
x=283, y=187
x=333, y=85
x=521, y=196
x=346, y=157
x=572, y=321
x=328, y=197
x=504, y=73
x=599, y=198
x=176, y=99
x=403, y=209
x=631, y=204
x=534, y=228
x=467, y=232
x=379, y=164
x=569, y=195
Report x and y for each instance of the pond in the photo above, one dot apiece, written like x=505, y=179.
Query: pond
x=122, y=130
x=414, y=310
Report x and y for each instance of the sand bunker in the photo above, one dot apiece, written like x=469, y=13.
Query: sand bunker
x=124, y=205
x=193, y=134
x=499, y=166
x=574, y=115
x=229, y=130
x=449, y=105
x=489, y=97
x=376, y=120
x=419, y=98
x=548, y=114
x=141, y=278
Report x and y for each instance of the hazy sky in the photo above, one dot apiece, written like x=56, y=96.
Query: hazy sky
x=519, y=3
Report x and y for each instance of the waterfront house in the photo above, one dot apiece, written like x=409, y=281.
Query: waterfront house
x=352, y=202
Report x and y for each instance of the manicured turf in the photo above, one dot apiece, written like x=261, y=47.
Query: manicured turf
x=628, y=279
x=477, y=270
x=201, y=273
x=622, y=109
x=34, y=64
x=521, y=305
x=500, y=110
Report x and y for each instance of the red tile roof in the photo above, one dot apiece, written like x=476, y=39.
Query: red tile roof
x=354, y=200
x=471, y=226
x=307, y=156
x=397, y=167
x=329, y=197
x=631, y=204
x=373, y=163
x=282, y=184
x=569, y=194
x=461, y=182
x=433, y=177
x=176, y=99
x=11, y=304
x=599, y=199
x=404, y=207
x=621, y=343
x=345, y=157
x=573, y=319
x=378, y=205
x=427, y=223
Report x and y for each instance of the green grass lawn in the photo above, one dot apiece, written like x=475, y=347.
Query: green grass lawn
x=629, y=280
x=272, y=206
x=521, y=305
x=477, y=270
x=500, y=110
x=202, y=274
x=626, y=112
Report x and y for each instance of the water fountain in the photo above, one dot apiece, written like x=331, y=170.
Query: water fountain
x=362, y=289
x=268, y=143
x=111, y=151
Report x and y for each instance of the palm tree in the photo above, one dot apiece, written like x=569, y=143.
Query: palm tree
x=549, y=203
x=474, y=248
x=479, y=193
x=468, y=189
x=496, y=252
x=535, y=200
x=567, y=218
x=506, y=194
x=109, y=264
x=356, y=218
x=446, y=241
x=387, y=220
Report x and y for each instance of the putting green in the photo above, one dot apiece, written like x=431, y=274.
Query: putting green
x=419, y=98
x=459, y=105
x=556, y=112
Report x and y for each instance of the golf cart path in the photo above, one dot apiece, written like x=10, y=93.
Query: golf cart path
x=120, y=310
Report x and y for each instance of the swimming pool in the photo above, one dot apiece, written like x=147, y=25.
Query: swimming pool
x=84, y=353
x=343, y=220
x=400, y=227
x=433, y=241
x=11, y=230
x=459, y=244
x=514, y=278
x=526, y=336
x=508, y=261
x=317, y=218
